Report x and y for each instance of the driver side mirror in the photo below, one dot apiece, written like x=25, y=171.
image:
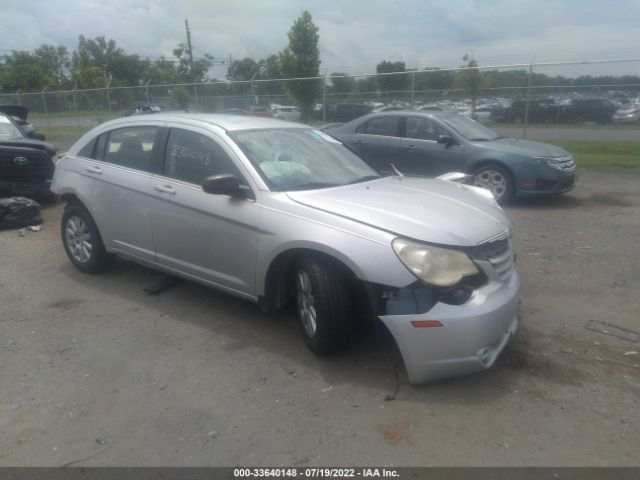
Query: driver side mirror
x=446, y=139
x=222, y=184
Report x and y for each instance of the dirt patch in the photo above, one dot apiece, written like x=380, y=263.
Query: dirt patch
x=66, y=303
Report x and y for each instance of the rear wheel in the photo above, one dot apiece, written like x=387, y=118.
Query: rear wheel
x=497, y=180
x=324, y=305
x=82, y=241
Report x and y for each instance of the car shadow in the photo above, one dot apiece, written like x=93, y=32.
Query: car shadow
x=373, y=361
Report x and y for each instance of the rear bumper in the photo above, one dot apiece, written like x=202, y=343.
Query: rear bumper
x=471, y=336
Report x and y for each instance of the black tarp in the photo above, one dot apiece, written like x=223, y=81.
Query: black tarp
x=19, y=212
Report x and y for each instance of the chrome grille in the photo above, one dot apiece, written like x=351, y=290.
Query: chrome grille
x=499, y=254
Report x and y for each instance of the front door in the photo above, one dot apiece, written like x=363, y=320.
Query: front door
x=210, y=237
x=422, y=155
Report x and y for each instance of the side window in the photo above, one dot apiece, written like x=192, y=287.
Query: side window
x=386, y=126
x=192, y=157
x=88, y=150
x=424, y=129
x=130, y=147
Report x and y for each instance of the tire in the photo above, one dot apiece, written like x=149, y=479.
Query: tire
x=82, y=241
x=497, y=179
x=324, y=305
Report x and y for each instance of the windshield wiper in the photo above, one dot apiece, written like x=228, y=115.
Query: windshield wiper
x=499, y=137
x=479, y=139
x=364, y=179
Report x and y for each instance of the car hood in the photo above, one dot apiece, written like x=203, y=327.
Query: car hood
x=50, y=148
x=527, y=148
x=429, y=210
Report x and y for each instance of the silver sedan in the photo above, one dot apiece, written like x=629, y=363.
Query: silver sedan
x=277, y=212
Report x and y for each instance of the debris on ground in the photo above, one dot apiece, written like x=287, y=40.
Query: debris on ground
x=629, y=353
x=328, y=389
x=19, y=212
x=613, y=330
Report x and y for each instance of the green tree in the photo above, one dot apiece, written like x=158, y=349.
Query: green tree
x=30, y=72
x=301, y=59
x=390, y=84
x=245, y=69
x=96, y=61
x=342, y=83
x=182, y=96
x=199, y=72
x=471, y=80
x=162, y=72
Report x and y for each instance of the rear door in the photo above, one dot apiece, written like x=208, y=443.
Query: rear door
x=115, y=178
x=210, y=237
x=422, y=155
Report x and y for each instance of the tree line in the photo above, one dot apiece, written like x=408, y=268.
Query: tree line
x=99, y=61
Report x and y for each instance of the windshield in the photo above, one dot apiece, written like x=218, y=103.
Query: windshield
x=298, y=159
x=8, y=131
x=469, y=129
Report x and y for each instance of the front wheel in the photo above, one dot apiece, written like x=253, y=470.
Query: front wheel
x=497, y=180
x=324, y=305
x=82, y=241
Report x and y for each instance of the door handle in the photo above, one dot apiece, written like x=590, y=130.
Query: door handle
x=409, y=147
x=165, y=189
x=94, y=169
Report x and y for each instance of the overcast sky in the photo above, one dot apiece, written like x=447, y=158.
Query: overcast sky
x=354, y=35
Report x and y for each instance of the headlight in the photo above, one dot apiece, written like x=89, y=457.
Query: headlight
x=552, y=162
x=437, y=266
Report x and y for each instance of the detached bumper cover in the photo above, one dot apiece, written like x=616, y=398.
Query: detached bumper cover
x=470, y=339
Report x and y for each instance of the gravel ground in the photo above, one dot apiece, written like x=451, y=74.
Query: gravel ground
x=93, y=371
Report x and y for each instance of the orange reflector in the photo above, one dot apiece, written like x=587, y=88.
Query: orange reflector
x=426, y=323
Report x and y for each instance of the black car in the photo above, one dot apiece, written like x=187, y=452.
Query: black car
x=26, y=164
x=540, y=111
x=599, y=110
x=345, y=112
x=19, y=115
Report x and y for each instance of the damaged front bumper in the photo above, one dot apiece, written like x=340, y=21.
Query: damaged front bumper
x=460, y=339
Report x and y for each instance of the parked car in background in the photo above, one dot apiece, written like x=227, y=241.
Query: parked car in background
x=631, y=114
x=19, y=115
x=285, y=213
x=433, y=143
x=26, y=164
x=260, y=111
x=291, y=114
x=143, y=110
x=345, y=112
x=483, y=113
x=540, y=111
x=235, y=111
x=579, y=110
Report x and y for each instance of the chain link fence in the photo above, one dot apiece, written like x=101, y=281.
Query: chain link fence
x=521, y=94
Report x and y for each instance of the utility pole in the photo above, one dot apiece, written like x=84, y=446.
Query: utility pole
x=186, y=26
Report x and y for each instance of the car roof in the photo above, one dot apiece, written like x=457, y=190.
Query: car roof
x=226, y=122
x=405, y=113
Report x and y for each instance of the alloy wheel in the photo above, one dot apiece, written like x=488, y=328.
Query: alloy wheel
x=306, y=303
x=493, y=181
x=78, y=239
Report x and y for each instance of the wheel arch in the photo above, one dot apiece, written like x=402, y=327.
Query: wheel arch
x=71, y=197
x=278, y=280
